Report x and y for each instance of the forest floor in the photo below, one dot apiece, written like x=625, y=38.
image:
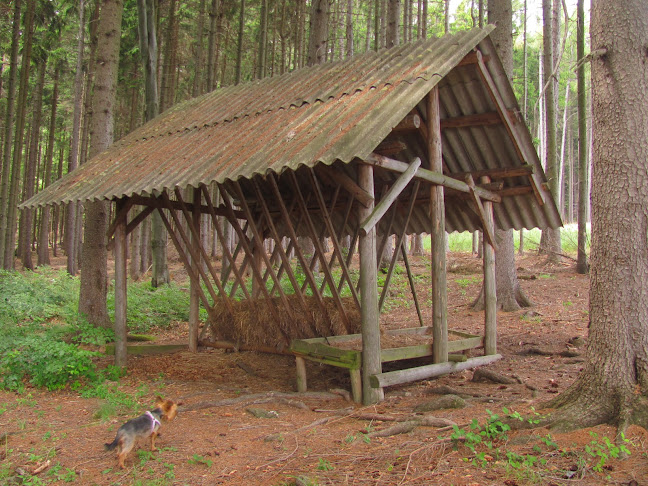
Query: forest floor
x=319, y=438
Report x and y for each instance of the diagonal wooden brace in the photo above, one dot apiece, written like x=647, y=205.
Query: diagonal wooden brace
x=394, y=191
x=488, y=234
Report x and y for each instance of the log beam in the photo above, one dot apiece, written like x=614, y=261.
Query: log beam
x=433, y=177
x=437, y=217
x=371, y=363
x=391, y=378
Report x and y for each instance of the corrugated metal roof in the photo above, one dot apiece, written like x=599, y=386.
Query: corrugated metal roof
x=327, y=113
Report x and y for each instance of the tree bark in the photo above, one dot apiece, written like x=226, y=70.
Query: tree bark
x=8, y=129
x=583, y=173
x=318, y=32
x=613, y=385
x=43, y=244
x=30, y=169
x=94, y=274
x=550, y=241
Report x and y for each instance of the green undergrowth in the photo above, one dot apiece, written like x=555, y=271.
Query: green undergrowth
x=47, y=344
x=535, y=458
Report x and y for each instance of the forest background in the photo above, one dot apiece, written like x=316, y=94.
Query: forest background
x=48, y=63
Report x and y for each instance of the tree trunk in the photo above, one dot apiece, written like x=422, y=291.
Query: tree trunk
x=393, y=17
x=30, y=168
x=197, y=87
x=613, y=385
x=263, y=41
x=510, y=296
x=550, y=241
x=94, y=274
x=583, y=173
x=43, y=244
x=239, y=50
x=318, y=32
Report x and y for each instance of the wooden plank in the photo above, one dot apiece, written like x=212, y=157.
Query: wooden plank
x=429, y=371
x=392, y=194
x=369, y=293
x=405, y=352
x=437, y=218
x=434, y=177
x=463, y=344
x=155, y=203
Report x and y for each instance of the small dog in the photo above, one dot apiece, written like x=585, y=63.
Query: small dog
x=146, y=425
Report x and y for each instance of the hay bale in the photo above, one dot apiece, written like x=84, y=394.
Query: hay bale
x=253, y=322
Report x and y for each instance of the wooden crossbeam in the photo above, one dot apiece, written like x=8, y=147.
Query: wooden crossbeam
x=429, y=176
x=465, y=121
x=155, y=203
x=394, y=191
x=496, y=173
x=191, y=224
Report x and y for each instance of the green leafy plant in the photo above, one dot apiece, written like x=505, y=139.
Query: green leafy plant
x=324, y=465
x=198, y=459
x=603, y=451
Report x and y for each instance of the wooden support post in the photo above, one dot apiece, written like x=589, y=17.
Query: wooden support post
x=437, y=217
x=194, y=298
x=356, y=385
x=371, y=363
x=300, y=363
x=490, y=291
x=121, y=247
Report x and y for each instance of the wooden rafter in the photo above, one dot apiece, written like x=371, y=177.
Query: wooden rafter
x=488, y=234
x=495, y=96
x=345, y=181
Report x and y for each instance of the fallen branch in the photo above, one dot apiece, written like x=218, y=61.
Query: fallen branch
x=258, y=398
x=483, y=374
x=411, y=424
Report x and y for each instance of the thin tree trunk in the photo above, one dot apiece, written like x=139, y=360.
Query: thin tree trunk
x=550, y=241
x=239, y=50
x=198, y=52
x=30, y=168
x=583, y=172
x=10, y=237
x=9, y=118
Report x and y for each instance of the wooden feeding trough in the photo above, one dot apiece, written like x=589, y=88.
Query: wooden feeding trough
x=346, y=352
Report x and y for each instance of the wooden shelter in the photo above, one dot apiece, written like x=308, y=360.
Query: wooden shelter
x=420, y=138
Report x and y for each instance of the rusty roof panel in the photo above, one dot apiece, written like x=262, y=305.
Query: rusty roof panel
x=321, y=114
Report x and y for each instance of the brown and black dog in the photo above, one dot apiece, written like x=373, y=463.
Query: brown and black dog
x=146, y=425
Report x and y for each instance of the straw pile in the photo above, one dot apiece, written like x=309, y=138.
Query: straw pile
x=255, y=324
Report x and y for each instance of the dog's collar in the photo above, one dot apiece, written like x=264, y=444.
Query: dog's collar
x=153, y=421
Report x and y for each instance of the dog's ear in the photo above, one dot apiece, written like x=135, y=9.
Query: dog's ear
x=179, y=404
x=159, y=399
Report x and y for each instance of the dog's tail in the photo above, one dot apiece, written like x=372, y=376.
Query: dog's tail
x=112, y=445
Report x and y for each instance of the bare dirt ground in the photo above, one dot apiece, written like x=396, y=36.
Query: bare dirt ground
x=319, y=438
